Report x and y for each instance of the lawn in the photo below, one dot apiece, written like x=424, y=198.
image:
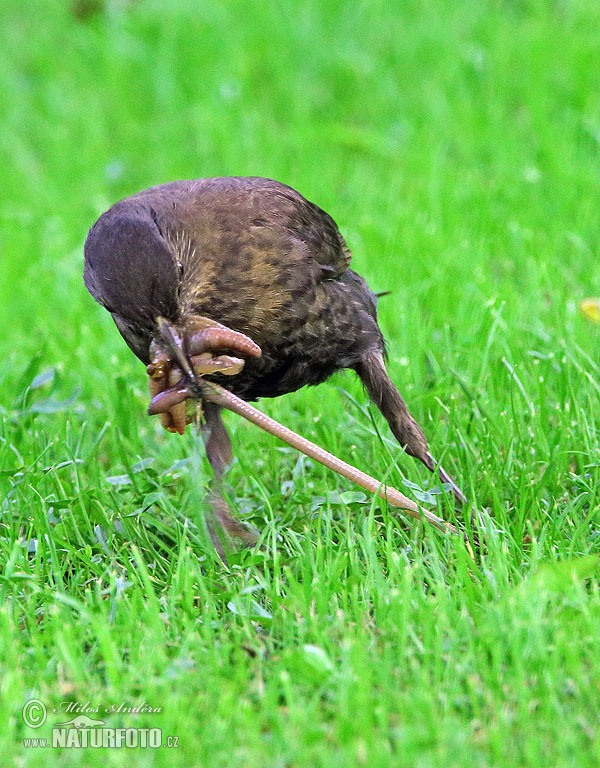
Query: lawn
x=457, y=145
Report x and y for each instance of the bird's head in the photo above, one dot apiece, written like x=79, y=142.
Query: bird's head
x=132, y=270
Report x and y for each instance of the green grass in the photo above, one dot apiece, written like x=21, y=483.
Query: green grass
x=457, y=145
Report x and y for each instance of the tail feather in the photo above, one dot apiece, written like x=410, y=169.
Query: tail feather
x=383, y=393
x=406, y=430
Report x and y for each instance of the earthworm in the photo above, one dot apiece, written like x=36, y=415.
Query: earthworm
x=211, y=339
x=216, y=394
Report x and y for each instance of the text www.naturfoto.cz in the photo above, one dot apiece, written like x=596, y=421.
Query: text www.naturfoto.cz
x=114, y=738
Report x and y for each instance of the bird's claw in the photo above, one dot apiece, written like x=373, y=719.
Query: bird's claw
x=169, y=393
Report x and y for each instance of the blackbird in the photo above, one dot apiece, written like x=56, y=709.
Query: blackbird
x=254, y=283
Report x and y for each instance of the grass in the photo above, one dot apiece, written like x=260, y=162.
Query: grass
x=457, y=146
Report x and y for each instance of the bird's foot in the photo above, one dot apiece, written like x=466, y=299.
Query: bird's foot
x=200, y=340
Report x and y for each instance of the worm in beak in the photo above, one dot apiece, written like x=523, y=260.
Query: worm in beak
x=178, y=359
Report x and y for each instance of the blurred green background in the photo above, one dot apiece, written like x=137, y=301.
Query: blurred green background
x=457, y=145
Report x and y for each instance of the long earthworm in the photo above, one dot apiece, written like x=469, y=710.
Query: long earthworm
x=220, y=396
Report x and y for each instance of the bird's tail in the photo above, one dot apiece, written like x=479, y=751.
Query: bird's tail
x=406, y=430
x=383, y=393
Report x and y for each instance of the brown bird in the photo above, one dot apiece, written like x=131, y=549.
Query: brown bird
x=252, y=283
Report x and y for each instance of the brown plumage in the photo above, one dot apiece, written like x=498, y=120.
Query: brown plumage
x=255, y=256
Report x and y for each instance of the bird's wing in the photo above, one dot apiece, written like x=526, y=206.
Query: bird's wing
x=287, y=210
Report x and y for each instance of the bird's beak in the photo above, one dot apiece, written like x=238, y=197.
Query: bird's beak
x=170, y=368
x=175, y=348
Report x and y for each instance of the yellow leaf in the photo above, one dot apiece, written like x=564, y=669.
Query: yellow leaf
x=590, y=308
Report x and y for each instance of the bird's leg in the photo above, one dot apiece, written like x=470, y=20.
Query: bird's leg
x=216, y=440
x=219, y=454
x=383, y=393
x=179, y=360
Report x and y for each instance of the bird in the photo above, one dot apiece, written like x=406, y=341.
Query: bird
x=253, y=282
